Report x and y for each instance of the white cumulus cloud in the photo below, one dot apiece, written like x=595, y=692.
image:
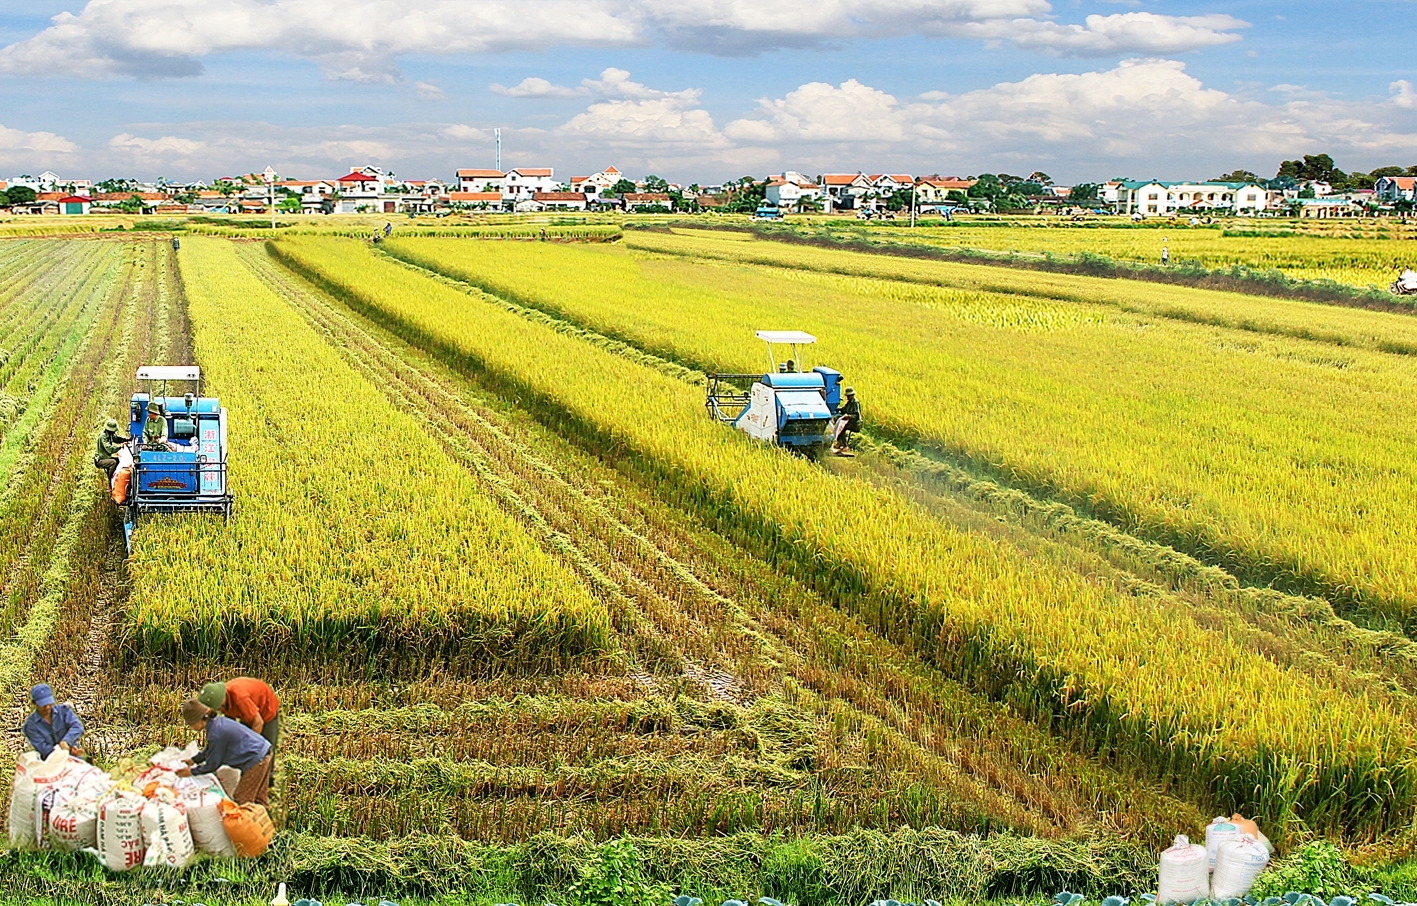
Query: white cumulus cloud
x=362, y=40
x=535, y=87
x=1120, y=33
x=1149, y=115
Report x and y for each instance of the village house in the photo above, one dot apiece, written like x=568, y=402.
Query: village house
x=886, y=184
x=1328, y=208
x=791, y=189
x=845, y=190
x=597, y=184
x=480, y=180
x=482, y=201
x=523, y=183
x=634, y=201
x=1158, y=198
x=934, y=190
x=74, y=204
x=553, y=201
x=1389, y=189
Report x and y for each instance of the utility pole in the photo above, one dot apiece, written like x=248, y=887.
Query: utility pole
x=912, y=204
x=270, y=177
x=498, y=134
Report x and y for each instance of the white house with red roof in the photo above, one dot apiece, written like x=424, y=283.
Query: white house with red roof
x=1396, y=188
x=887, y=183
x=363, y=193
x=524, y=182
x=790, y=189
x=597, y=184
x=474, y=180
x=845, y=190
x=554, y=201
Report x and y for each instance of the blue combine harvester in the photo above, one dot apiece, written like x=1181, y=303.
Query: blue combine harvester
x=186, y=471
x=788, y=405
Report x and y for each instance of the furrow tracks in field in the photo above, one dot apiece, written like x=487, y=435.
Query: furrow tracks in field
x=63, y=449
x=78, y=576
x=694, y=613
x=1296, y=631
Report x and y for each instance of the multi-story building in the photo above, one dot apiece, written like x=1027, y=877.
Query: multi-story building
x=597, y=184
x=522, y=183
x=791, y=189
x=480, y=180
x=1395, y=188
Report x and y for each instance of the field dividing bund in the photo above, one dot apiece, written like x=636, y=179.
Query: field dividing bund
x=752, y=706
x=1287, y=462
x=1072, y=654
x=357, y=534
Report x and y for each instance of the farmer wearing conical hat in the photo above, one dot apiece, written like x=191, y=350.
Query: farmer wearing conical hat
x=229, y=744
x=249, y=701
x=105, y=449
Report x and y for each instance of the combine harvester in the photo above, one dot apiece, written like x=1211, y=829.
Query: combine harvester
x=787, y=406
x=187, y=473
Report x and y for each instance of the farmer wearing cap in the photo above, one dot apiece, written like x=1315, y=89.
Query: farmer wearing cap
x=248, y=700
x=155, y=429
x=105, y=449
x=229, y=744
x=848, y=422
x=52, y=726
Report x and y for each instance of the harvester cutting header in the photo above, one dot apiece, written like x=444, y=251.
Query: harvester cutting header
x=789, y=406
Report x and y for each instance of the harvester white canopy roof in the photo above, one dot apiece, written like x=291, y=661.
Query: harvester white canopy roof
x=786, y=336
x=169, y=373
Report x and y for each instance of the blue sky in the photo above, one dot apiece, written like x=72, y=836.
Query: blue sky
x=704, y=89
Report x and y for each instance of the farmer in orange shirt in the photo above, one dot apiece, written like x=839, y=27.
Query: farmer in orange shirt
x=249, y=701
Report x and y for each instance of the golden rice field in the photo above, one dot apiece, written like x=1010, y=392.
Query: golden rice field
x=1365, y=261
x=968, y=606
x=1196, y=436
x=357, y=530
x=1113, y=557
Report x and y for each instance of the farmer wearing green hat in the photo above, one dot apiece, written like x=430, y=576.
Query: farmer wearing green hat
x=249, y=701
x=155, y=429
x=105, y=449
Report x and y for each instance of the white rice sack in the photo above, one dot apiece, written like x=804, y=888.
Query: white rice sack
x=172, y=758
x=229, y=777
x=22, y=802
x=38, y=785
x=166, y=833
x=120, y=830
x=73, y=822
x=204, y=819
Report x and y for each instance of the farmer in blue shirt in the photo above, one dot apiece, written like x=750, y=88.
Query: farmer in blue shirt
x=52, y=726
x=230, y=744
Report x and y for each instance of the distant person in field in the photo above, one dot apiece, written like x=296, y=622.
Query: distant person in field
x=52, y=726
x=154, y=429
x=1165, y=254
x=105, y=449
x=388, y=228
x=848, y=422
x=249, y=701
x=230, y=744
x=1408, y=281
